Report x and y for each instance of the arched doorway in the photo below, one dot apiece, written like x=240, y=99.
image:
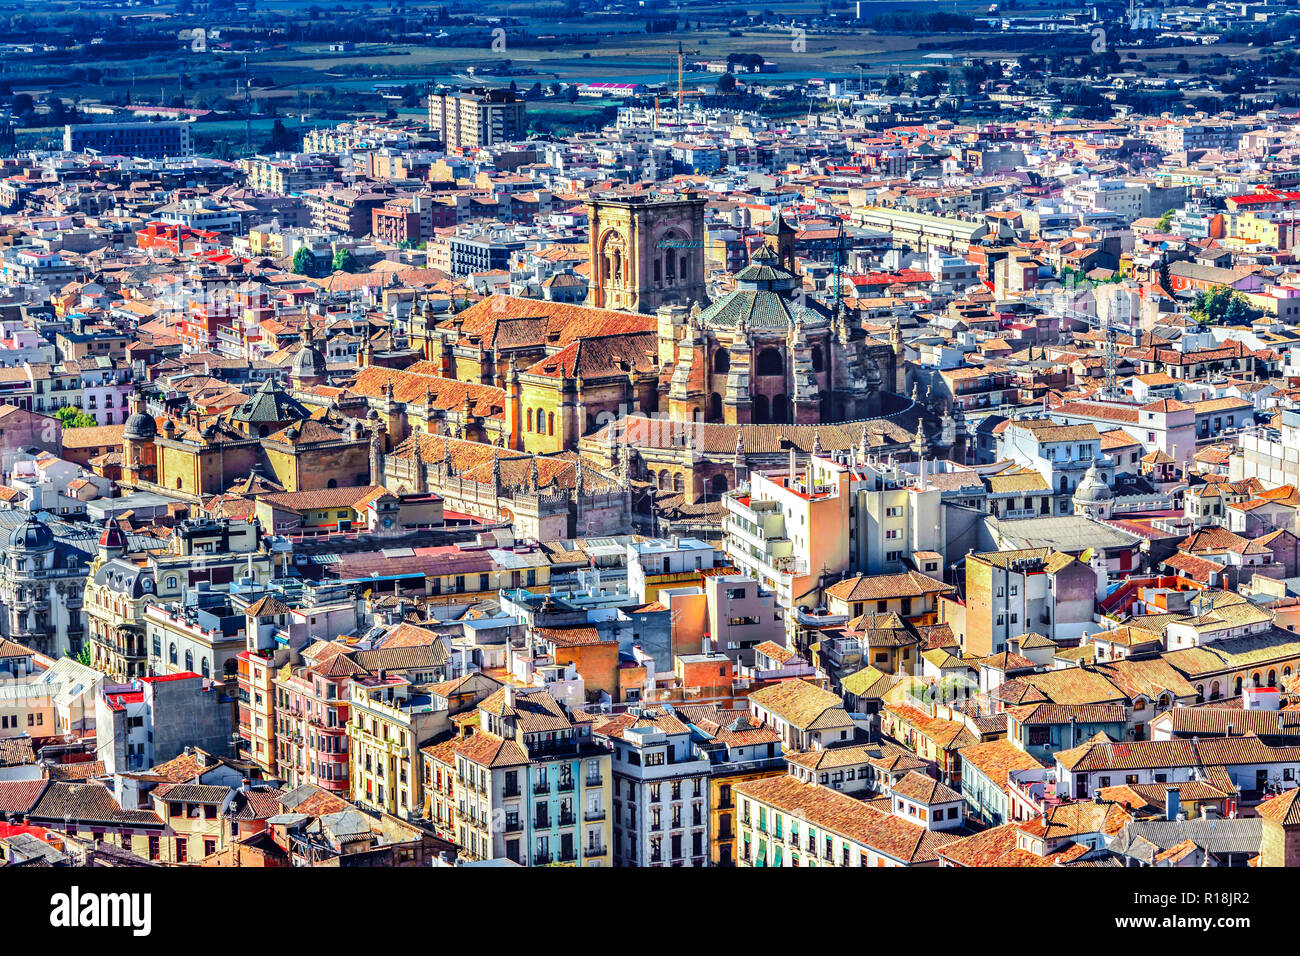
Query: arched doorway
x=715, y=407
x=780, y=410
x=818, y=361
x=762, y=413
x=718, y=484
x=721, y=361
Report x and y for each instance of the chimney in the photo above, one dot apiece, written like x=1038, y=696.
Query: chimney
x=510, y=695
x=1171, y=803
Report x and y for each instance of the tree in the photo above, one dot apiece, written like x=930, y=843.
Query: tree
x=74, y=418
x=1165, y=219
x=727, y=83
x=1221, y=306
x=304, y=263
x=345, y=261
x=81, y=657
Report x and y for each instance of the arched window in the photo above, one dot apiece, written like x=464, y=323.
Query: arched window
x=229, y=668
x=1272, y=678
x=770, y=363
x=1200, y=693
x=679, y=484
x=1065, y=485
x=721, y=361
x=664, y=480
x=171, y=653
x=262, y=431
x=206, y=668
x=718, y=484
x=1214, y=690
x=819, y=362
x=762, y=414
x=541, y=423
x=172, y=582
x=189, y=660
x=332, y=483
x=715, y=407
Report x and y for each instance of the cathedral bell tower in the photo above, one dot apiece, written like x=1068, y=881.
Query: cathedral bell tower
x=778, y=235
x=646, y=252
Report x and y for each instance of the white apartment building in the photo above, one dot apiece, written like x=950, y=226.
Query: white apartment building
x=661, y=791
x=791, y=531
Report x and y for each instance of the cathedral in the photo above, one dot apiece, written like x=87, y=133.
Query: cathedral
x=756, y=372
x=649, y=341
x=766, y=353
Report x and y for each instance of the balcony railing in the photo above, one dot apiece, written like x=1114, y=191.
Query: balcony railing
x=541, y=859
x=541, y=787
x=593, y=815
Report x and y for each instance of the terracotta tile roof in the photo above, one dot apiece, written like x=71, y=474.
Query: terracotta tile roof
x=19, y=796
x=879, y=587
x=828, y=809
x=801, y=704
x=923, y=789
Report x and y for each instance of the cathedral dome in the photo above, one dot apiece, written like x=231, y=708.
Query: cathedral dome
x=308, y=363
x=1092, y=489
x=140, y=427
x=31, y=535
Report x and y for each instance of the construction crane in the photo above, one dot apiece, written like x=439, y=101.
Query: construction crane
x=1110, y=332
x=681, y=59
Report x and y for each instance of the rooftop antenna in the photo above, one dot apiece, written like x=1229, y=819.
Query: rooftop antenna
x=248, y=107
x=839, y=268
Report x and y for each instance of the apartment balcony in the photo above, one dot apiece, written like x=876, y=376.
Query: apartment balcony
x=568, y=856
x=595, y=781
x=591, y=816
x=565, y=786
x=591, y=851
x=542, y=787
x=542, y=859
x=512, y=791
